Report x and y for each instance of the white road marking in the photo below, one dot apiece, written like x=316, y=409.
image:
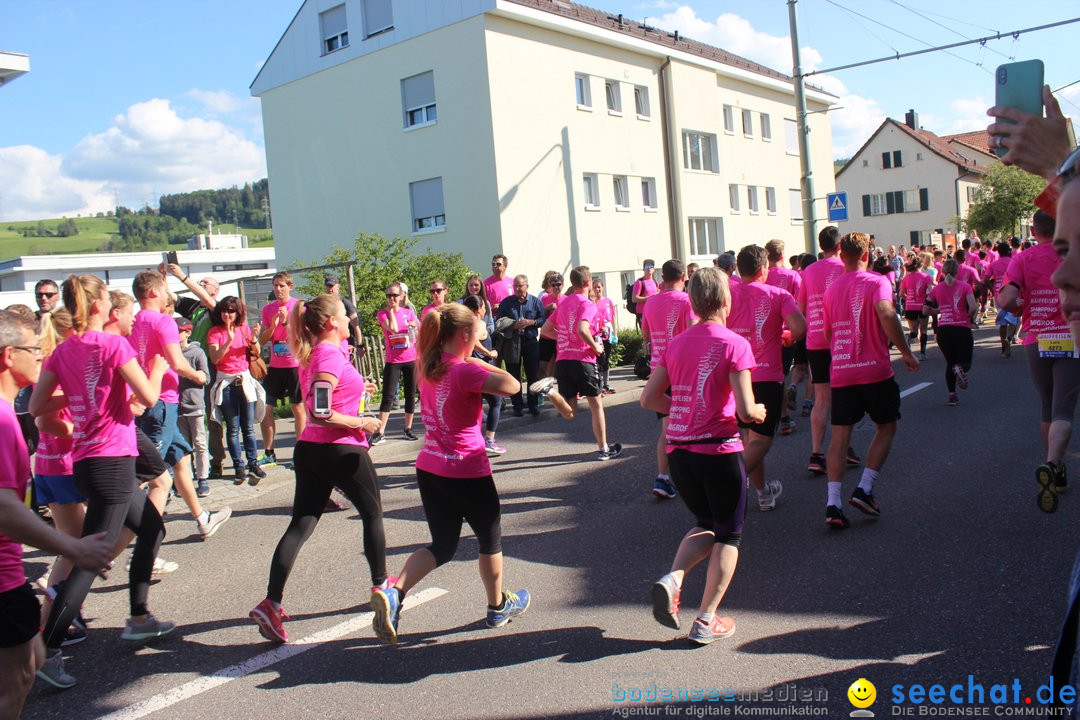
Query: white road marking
x=282, y=652
x=915, y=388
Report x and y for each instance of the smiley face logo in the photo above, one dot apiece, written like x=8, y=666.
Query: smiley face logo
x=862, y=693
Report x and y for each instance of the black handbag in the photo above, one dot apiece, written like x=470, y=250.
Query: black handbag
x=641, y=368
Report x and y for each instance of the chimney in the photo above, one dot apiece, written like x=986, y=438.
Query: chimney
x=911, y=119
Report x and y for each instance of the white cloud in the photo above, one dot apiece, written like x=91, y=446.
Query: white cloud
x=222, y=102
x=965, y=115
x=33, y=186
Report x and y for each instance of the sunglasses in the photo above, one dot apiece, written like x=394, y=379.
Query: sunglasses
x=437, y=290
x=496, y=264
x=554, y=284
x=47, y=294
x=392, y=295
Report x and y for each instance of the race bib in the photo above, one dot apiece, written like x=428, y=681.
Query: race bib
x=1057, y=345
x=399, y=341
x=280, y=349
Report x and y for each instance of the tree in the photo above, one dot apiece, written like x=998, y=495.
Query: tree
x=1006, y=196
x=378, y=261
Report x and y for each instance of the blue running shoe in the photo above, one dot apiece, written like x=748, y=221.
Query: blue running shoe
x=664, y=488
x=387, y=606
x=514, y=604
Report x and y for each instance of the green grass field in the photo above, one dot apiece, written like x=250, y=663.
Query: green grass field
x=93, y=234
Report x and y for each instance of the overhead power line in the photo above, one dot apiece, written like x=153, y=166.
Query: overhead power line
x=946, y=27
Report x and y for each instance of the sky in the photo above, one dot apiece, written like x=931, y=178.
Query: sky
x=127, y=99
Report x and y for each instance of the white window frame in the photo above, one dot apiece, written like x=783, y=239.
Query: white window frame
x=705, y=144
x=621, y=186
x=752, y=200
x=729, y=120
x=791, y=135
x=747, y=123
x=911, y=201
x=641, y=102
x=427, y=224
x=648, y=194
x=766, y=127
x=369, y=30
x=733, y=198
x=590, y=184
x=613, y=97
x=583, y=91
x=336, y=41
x=770, y=200
x=426, y=113
x=878, y=204
x=795, y=201
x=712, y=244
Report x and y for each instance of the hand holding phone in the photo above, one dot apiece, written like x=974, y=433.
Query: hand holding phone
x=1018, y=85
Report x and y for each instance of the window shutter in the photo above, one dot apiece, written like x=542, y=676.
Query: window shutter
x=427, y=198
x=886, y=160
x=914, y=237
x=333, y=22
x=890, y=203
x=378, y=16
x=418, y=90
x=924, y=198
x=899, y=202
x=897, y=159
x=866, y=205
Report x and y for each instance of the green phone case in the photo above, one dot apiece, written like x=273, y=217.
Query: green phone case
x=1019, y=85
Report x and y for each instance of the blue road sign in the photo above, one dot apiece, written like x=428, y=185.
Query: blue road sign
x=837, y=206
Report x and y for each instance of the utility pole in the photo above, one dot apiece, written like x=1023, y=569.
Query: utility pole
x=807, y=183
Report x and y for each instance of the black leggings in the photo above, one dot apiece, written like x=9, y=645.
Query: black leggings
x=113, y=501
x=714, y=488
x=448, y=501
x=320, y=467
x=957, y=344
x=390, y=373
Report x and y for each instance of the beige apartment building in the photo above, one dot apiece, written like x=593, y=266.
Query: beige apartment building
x=555, y=134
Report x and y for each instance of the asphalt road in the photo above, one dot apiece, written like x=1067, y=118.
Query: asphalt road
x=962, y=575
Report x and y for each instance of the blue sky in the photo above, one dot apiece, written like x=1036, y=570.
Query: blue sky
x=127, y=100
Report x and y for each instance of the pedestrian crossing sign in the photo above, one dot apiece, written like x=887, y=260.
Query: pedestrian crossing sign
x=838, y=210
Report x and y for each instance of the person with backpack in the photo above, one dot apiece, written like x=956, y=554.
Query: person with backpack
x=642, y=289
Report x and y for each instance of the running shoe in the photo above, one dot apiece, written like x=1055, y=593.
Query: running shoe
x=535, y=411
x=493, y=447
x=241, y=475
x=1006, y=350
x=74, y=636
x=702, y=633
x=664, y=488
x=961, y=377
x=387, y=607
x=1061, y=480
x=665, y=601
x=376, y=438
x=767, y=497
x=161, y=566
x=834, y=518
x=53, y=672
x=146, y=630
x=922, y=357
x=202, y=489
x=255, y=474
x=388, y=583
x=542, y=386
x=1045, y=476
x=816, y=464
x=267, y=459
x=408, y=433
x=953, y=400
x=513, y=605
x=213, y=522
x=865, y=501
x=853, y=460
x=613, y=451
x=269, y=618
x=791, y=405
x=787, y=426
x=807, y=407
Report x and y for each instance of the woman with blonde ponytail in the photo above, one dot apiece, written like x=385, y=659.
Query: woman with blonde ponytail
x=452, y=470
x=95, y=371
x=332, y=451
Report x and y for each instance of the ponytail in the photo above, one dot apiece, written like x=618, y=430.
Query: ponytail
x=54, y=328
x=306, y=323
x=80, y=293
x=437, y=327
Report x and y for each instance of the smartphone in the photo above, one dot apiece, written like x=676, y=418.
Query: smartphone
x=320, y=390
x=1019, y=85
x=170, y=257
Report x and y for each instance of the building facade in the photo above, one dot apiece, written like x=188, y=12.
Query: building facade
x=540, y=129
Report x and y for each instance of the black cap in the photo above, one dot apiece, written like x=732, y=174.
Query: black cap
x=332, y=280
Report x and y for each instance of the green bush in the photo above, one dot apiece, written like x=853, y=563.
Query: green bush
x=629, y=349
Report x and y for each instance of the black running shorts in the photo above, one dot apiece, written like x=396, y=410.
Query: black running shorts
x=881, y=400
x=819, y=360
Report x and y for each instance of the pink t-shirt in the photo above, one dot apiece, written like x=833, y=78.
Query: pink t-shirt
x=666, y=315
x=88, y=368
x=784, y=279
x=280, y=355
x=14, y=475
x=915, y=286
x=997, y=271
x=498, y=290
x=952, y=303
x=643, y=287
x=605, y=310
x=452, y=413
x=699, y=363
x=815, y=281
x=967, y=274
x=235, y=360
x=860, y=349
x=399, y=347
x=568, y=344
x=327, y=357
x=426, y=310
x=150, y=333
x=1031, y=272
x=757, y=315
x=53, y=456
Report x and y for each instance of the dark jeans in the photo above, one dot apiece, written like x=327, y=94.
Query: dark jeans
x=240, y=416
x=530, y=359
x=214, y=431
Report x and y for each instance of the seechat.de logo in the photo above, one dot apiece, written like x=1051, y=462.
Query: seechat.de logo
x=862, y=695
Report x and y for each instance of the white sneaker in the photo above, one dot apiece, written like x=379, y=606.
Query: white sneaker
x=161, y=566
x=542, y=386
x=767, y=498
x=216, y=520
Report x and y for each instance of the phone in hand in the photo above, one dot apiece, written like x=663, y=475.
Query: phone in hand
x=320, y=390
x=1019, y=85
x=170, y=257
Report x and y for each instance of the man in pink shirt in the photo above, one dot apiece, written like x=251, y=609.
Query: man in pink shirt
x=860, y=321
x=498, y=285
x=1006, y=322
x=644, y=288
x=664, y=316
x=283, y=375
x=760, y=312
x=795, y=352
x=576, y=351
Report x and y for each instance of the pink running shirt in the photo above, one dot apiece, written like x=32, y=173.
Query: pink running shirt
x=498, y=290
x=757, y=315
x=699, y=363
x=952, y=303
x=997, y=271
x=235, y=360
x=1031, y=273
x=648, y=288
x=915, y=286
x=665, y=316
x=14, y=475
x=784, y=279
x=452, y=414
x=328, y=358
x=568, y=344
x=859, y=347
x=150, y=333
x=399, y=348
x=88, y=368
x=816, y=280
x=53, y=456
x=967, y=274
x=280, y=355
